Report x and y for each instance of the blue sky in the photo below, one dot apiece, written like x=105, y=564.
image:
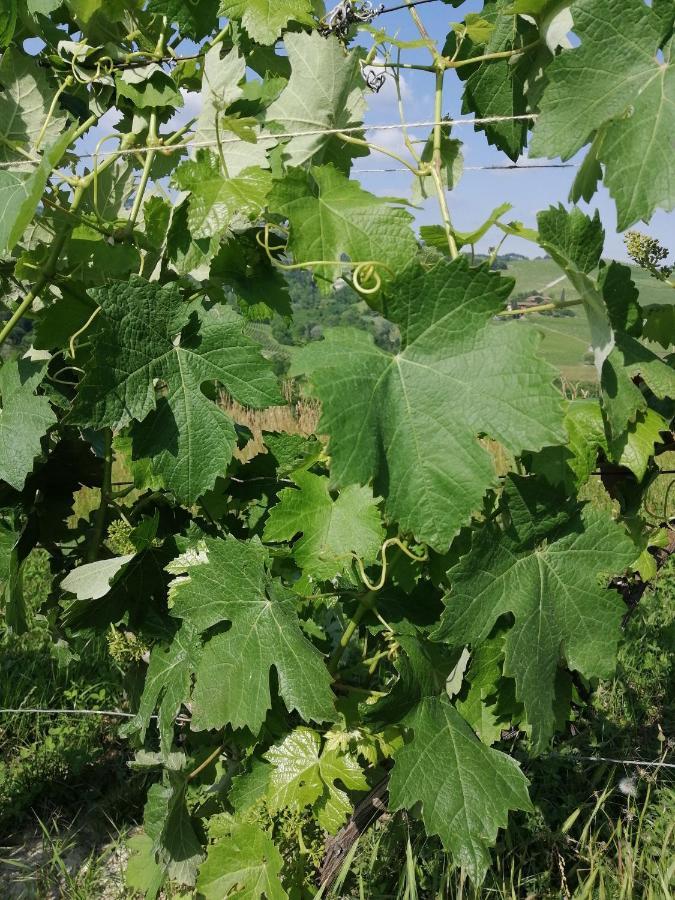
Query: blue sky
x=478, y=192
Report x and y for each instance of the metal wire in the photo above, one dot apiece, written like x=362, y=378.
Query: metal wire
x=288, y=135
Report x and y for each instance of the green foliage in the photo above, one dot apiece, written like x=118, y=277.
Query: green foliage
x=382, y=565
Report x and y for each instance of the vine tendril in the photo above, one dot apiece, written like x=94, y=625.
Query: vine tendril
x=362, y=272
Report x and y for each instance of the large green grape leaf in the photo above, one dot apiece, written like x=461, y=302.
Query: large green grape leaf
x=331, y=216
x=264, y=19
x=24, y=106
x=614, y=81
x=218, y=202
x=325, y=91
x=245, y=865
x=188, y=437
x=301, y=774
x=552, y=575
x=331, y=530
x=465, y=788
x=233, y=676
x=410, y=420
x=24, y=419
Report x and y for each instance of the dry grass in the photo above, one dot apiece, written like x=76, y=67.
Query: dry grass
x=298, y=416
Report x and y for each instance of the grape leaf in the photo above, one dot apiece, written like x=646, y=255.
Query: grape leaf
x=331, y=529
x=622, y=399
x=325, y=91
x=24, y=106
x=575, y=242
x=466, y=789
x=302, y=776
x=242, y=264
x=221, y=87
x=189, y=439
x=452, y=166
x=552, y=577
x=423, y=671
x=24, y=419
x=478, y=704
x=216, y=201
x=148, y=87
x=167, y=686
x=245, y=865
x=233, y=677
x=615, y=81
x=411, y=420
x=167, y=822
x=264, y=19
x=194, y=19
x=93, y=580
x=21, y=190
x=331, y=216
x=7, y=22
x=499, y=87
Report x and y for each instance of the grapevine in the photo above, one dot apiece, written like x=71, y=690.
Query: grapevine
x=349, y=616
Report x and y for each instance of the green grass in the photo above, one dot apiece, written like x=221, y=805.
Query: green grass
x=566, y=340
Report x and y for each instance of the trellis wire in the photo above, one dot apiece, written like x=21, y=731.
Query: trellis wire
x=113, y=713
x=288, y=135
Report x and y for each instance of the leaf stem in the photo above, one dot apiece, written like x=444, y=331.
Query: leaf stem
x=106, y=494
x=350, y=139
x=437, y=165
x=207, y=762
x=145, y=176
x=366, y=604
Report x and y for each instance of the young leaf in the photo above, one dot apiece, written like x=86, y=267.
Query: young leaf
x=552, y=578
x=245, y=865
x=331, y=530
x=24, y=419
x=221, y=87
x=217, y=202
x=465, y=788
x=189, y=439
x=302, y=776
x=233, y=677
x=614, y=79
x=411, y=420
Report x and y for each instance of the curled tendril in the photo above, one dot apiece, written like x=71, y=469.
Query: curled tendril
x=81, y=331
x=99, y=73
x=362, y=272
x=390, y=542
